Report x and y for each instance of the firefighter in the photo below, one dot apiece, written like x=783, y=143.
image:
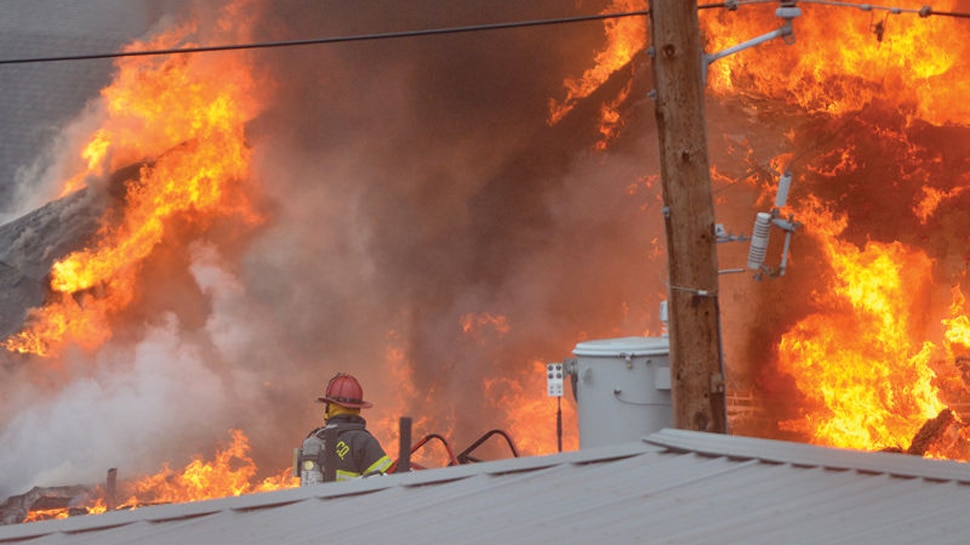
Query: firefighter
x=356, y=452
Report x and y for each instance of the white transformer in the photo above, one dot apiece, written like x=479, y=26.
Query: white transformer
x=622, y=389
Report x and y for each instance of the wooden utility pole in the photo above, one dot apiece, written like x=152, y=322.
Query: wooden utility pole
x=694, y=315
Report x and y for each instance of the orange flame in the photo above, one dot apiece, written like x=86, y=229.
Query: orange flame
x=517, y=403
x=932, y=198
x=232, y=472
x=611, y=121
x=95, y=508
x=625, y=38
x=474, y=323
x=866, y=373
x=843, y=59
x=182, y=119
x=406, y=393
x=866, y=380
x=956, y=335
x=47, y=514
x=520, y=400
x=94, y=154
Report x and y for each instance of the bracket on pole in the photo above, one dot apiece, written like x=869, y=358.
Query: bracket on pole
x=787, y=11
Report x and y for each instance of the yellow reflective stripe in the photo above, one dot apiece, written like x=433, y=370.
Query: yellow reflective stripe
x=380, y=465
x=346, y=475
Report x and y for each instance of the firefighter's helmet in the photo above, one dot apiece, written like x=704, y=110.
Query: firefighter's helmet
x=344, y=390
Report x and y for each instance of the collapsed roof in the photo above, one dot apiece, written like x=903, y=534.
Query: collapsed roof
x=31, y=244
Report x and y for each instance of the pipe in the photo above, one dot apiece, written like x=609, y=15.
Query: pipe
x=404, y=446
x=110, y=489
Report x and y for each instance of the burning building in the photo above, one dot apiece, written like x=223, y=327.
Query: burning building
x=443, y=215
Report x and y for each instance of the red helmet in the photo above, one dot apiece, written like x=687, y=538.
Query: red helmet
x=344, y=390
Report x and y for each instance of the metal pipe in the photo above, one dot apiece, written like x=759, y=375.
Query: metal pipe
x=110, y=489
x=404, y=446
x=785, y=30
x=784, y=254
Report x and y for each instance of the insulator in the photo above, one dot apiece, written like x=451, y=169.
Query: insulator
x=759, y=240
x=781, y=198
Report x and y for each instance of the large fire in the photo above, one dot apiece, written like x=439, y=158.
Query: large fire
x=231, y=472
x=182, y=120
x=871, y=355
x=625, y=38
x=874, y=54
x=870, y=361
x=867, y=383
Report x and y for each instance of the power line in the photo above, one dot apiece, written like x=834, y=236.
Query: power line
x=730, y=5
x=924, y=11
x=330, y=40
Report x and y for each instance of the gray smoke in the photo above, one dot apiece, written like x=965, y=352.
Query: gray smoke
x=418, y=183
x=412, y=186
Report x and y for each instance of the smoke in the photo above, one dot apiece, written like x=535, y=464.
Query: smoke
x=429, y=232
x=417, y=184
x=171, y=395
x=418, y=204
x=40, y=100
x=418, y=188
x=119, y=411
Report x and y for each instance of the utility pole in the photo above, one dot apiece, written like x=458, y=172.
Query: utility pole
x=694, y=315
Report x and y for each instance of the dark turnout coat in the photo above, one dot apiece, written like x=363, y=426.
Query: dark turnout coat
x=356, y=451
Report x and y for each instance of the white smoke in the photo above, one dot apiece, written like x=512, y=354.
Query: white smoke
x=412, y=183
x=133, y=407
x=124, y=412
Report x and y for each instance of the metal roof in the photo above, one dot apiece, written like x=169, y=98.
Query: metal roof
x=674, y=486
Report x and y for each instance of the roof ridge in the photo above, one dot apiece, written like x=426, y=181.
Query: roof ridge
x=799, y=454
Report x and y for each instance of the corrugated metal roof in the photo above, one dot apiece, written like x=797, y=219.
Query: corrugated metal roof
x=673, y=487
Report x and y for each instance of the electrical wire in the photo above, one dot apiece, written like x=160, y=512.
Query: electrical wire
x=329, y=40
x=730, y=5
x=864, y=7
x=924, y=11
